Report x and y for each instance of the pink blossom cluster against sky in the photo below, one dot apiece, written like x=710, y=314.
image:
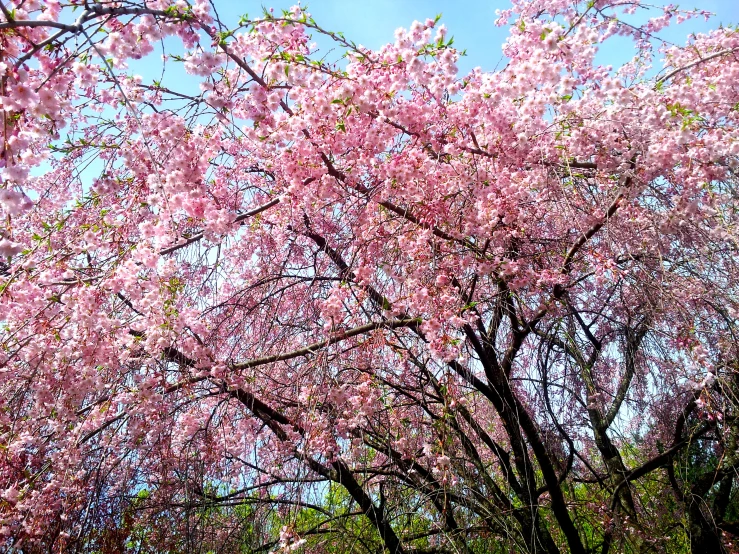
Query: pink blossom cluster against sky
x=472, y=24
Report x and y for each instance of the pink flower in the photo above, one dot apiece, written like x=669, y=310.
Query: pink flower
x=14, y=202
x=9, y=248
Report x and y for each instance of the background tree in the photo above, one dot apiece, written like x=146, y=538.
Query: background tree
x=366, y=305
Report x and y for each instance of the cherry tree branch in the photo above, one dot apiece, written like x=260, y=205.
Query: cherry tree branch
x=338, y=337
x=695, y=63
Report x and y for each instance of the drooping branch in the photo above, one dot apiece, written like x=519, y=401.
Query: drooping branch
x=336, y=337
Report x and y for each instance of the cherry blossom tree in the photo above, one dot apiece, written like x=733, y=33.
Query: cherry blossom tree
x=366, y=304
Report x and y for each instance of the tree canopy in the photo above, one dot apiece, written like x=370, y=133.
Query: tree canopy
x=357, y=302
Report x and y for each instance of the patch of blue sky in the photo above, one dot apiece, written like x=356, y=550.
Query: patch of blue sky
x=472, y=23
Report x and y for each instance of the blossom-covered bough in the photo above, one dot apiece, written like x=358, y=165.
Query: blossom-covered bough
x=291, y=305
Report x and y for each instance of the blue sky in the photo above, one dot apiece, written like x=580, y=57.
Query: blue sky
x=471, y=22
